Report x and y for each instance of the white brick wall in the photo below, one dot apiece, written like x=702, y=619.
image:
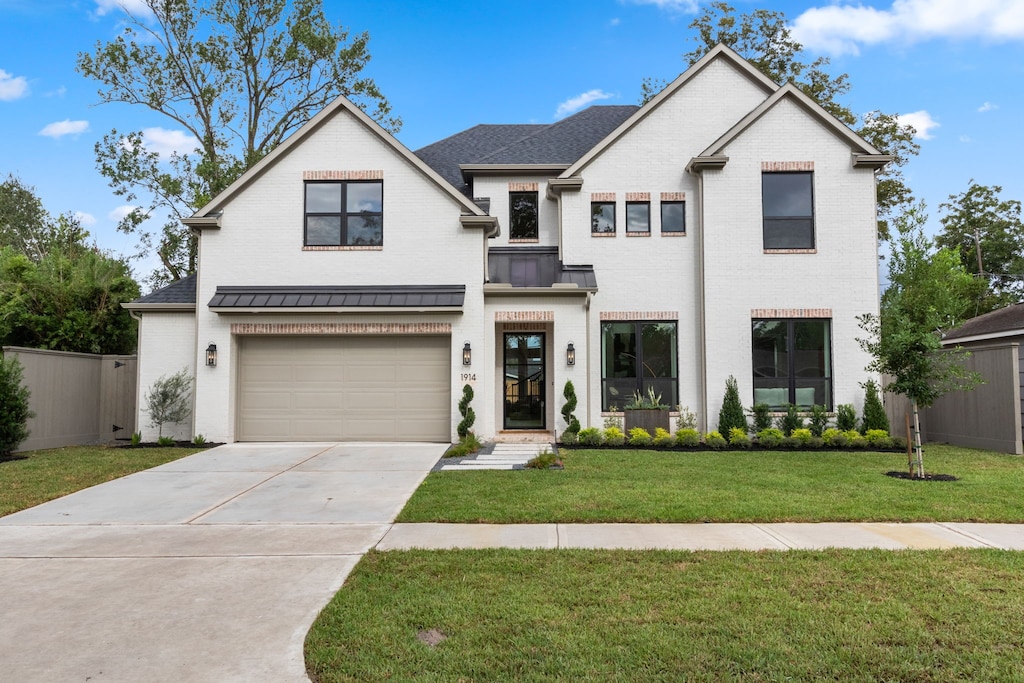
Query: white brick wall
x=167, y=343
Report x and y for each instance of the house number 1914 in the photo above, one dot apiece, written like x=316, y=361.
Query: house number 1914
x=468, y=376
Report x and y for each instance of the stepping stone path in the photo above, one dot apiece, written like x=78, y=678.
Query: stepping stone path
x=504, y=456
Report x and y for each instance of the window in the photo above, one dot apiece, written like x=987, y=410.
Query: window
x=673, y=216
x=792, y=362
x=522, y=216
x=638, y=217
x=637, y=356
x=602, y=218
x=787, y=200
x=344, y=213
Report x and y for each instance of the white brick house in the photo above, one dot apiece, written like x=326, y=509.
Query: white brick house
x=351, y=287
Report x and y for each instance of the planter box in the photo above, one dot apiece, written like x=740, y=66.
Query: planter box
x=647, y=419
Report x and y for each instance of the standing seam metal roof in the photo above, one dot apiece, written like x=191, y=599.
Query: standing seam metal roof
x=340, y=296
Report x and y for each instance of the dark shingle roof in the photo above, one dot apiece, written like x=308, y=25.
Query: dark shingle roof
x=182, y=291
x=336, y=297
x=1004, y=320
x=535, y=267
x=558, y=143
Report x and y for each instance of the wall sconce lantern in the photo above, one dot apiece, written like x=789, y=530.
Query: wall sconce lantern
x=570, y=354
x=211, y=355
x=467, y=355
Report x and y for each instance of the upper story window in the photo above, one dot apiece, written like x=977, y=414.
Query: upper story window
x=638, y=217
x=673, y=216
x=523, y=219
x=602, y=218
x=787, y=200
x=344, y=213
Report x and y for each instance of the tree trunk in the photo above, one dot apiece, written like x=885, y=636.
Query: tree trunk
x=919, y=459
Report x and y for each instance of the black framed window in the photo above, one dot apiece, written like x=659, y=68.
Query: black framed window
x=673, y=216
x=523, y=223
x=787, y=202
x=344, y=213
x=637, y=356
x=638, y=216
x=602, y=217
x=792, y=361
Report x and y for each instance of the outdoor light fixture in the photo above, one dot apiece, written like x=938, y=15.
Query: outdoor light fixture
x=467, y=355
x=211, y=355
x=570, y=354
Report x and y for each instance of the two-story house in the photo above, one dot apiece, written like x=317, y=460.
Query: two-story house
x=348, y=288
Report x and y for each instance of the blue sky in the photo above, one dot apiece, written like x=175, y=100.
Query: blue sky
x=954, y=68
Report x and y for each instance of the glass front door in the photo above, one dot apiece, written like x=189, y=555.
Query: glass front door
x=524, y=381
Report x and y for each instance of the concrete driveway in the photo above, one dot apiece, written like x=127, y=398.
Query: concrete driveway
x=209, y=568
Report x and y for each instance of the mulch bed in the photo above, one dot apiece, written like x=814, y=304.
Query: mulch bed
x=927, y=476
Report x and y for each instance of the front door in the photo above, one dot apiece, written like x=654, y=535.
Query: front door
x=524, y=381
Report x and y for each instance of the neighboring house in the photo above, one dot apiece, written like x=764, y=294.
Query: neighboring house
x=351, y=287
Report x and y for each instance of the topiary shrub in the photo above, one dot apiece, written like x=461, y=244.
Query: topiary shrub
x=591, y=436
x=770, y=438
x=874, y=412
x=169, y=400
x=846, y=417
x=468, y=416
x=731, y=415
x=687, y=437
x=663, y=438
x=569, y=394
x=738, y=438
x=638, y=436
x=714, y=440
x=14, y=412
x=818, y=420
x=762, y=414
x=790, y=421
x=613, y=436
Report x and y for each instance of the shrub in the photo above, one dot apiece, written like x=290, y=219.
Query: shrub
x=468, y=416
x=613, y=420
x=686, y=419
x=770, y=438
x=591, y=436
x=199, y=440
x=638, y=436
x=14, y=412
x=816, y=442
x=840, y=440
x=570, y=438
x=738, y=438
x=899, y=442
x=818, y=420
x=879, y=438
x=854, y=439
x=762, y=414
x=874, y=412
x=731, y=415
x=650, y=401
x=714, y=440
x=613, y=436
x=569, y=394
x=136, y=438
x=846, y=417
x=790, y=421
x=169, y=400
x=544, y=460
x=829, y=436
x=663, y=437
x=467, y=445
x=802, y=436
x=688, y=437
x=164, y=441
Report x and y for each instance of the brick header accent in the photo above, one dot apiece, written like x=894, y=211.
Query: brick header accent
x=602, y=234
x=602, y=196
x=787, y=165
x=523, y=187
x=791, y=313
x=639, y=315
x=343, y=248
x=673, y=196
x=341, y=328
x=343, y=175
x=524, y=316
x=523, y=327
x=638, y=234
x=638, y=196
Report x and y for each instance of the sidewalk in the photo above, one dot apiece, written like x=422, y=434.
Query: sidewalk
x=782, y=536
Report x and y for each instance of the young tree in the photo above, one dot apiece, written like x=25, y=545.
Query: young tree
x=874, y=410
x=169, y=400
x=732, y=414
x=14, y=412
x=987, y=234
x=929, y=291
x=239, y=76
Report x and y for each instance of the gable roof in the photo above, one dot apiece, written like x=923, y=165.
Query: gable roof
x=179, y=295
x=1004, y=322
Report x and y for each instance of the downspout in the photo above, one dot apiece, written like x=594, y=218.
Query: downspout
x=586, y=306
x=701, y=306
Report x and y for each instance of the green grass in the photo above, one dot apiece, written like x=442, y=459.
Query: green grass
x=45, y=475
x=851, y=615
x=757, y=486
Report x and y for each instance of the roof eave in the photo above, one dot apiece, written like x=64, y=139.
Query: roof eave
x=324, y=310
x=163, y=308
x=557, y=289
x=703, y=163
x=469, y=170
x=489, y=224
x=984, y=336
x=211, y=222
x=557, y=186
x=874, y=161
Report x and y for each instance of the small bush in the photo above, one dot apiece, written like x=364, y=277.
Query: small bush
x=816, y=442
x=855, y=439
x=136, y=438
x=851, y=434
x=714, y=440
x=818, y=420
x=638, y=436
x=731, y=415
x=879, y=438
x=467, y=445
x=762, y=414
x=613, y=436
x=570, y=438
x=164, y=441
x=829, y=436
x=770, y=438
x=874, y=412
x=14, y=412
x=169, y=400
x=687, y=437
x=802, y=436
x=663, y=437
x=614, y=420
x=846, y=417
x=199, y=440
x=687, y=419
x=544, y=460
x=591, y=436
x=790, y=421
x=899, y=442
x=840, y=440
x=468, y=416
x=738, y=438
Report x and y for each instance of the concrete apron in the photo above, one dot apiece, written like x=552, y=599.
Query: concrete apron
x=209, y=568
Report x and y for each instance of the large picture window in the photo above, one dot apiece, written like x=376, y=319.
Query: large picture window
x=787, y=202
x=637, y=356
x=344, y=213
x=522, y=219
x=792, y=362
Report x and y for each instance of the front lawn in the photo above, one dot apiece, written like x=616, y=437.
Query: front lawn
x=38, y=476
x=852, y=615
x=757, y=486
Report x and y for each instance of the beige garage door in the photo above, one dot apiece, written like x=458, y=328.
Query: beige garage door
x=345, y=388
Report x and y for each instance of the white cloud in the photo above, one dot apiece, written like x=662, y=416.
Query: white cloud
x=166, y=142
x=965, y=139
x=615, y=21
x=988, y=106
x=59, y=92
x=922, y=122
x=670, y=5
x=120, y=212
x=12, y=87
x=85, y=218
x=59, y=129
x=574, y=104
x=136, y=7
x=843, y=29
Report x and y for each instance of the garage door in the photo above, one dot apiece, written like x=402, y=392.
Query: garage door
x=345, y=388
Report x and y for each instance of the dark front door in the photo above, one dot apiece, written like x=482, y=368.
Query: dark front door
x=524, y=381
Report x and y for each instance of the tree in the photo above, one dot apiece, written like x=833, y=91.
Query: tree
x=239, y=76
x=874, y=411
x=929, y=291
x=732, y=414
x=987, y=233
x=14, y=412
x=169, y=400
x=569, y=407
x=764, y=38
